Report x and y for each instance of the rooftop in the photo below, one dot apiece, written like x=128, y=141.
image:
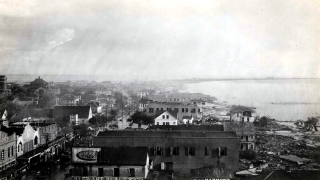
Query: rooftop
x=167, y=133
x=82, y=111
x=124, y=156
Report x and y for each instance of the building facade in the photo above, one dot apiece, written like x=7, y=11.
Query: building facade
x=179, y=151
x=166, y=118
x=181, y=109
x=110, y=162
x=8, y=140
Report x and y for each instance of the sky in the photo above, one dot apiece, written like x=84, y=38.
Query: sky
x=154, y=40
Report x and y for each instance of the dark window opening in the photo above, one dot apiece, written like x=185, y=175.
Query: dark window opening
x=206, y=151
x=222, y=151
x=169, y=166
x=116, y=172
x=100, y=172
x=132, y=172
x=85, y=171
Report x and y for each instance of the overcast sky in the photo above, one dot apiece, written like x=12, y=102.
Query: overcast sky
x=161, y=39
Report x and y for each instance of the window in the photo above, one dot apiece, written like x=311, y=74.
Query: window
x=251, y=146
x=247, y=119
x=100, y=172
x=174, y=123
x=157, y=123
x=182, y=109
x=8, y=152
x=2, y=154
x=132, y=172
x=161, y=109
x=241, y=137
x=222, y=151
x=169, y=166
x=157, y=150
x=247, y=138
x=175, y=151
x=163, y=123
x=167, y=116
x=150, y=110
x=167, y=123
x=190, y=151
x=116, y=172
x=186, y=109
x=163, y=116
x=206, y=151
x=193, y=110
x=36, y=140
x=11, y=150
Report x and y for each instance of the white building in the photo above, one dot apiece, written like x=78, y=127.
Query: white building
x=166, y=118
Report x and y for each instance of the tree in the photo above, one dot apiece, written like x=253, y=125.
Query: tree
x=139, y=117
x=45, y=102
x=81, y=130
x=263, y=121
x=98, y=120
x=11, y=108
x=113, y=113
x=311, y=123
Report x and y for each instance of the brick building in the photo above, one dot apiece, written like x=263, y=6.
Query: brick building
x=8, y=140
x=179, y=152
x=109, y=162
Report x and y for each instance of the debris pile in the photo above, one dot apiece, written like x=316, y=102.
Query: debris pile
x=270, y=148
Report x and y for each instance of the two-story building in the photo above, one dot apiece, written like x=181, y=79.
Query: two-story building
x=182, y=109
x=166, y=118
x=242, y=114
x=70, y=100
x=81, y=113
x=8, y=146
x=179, y=152
x=110, y=162
x=245, y=132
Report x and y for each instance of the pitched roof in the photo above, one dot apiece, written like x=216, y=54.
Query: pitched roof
x=69, y=97
x=124, y=156
x=82, y=111
x=40, y=113
x=186, y=117
x=86, y=98
x=93, y=104
x=160, y=112
x=144, y=101
x=104, y=101
x=102, y=96
x=241, y=109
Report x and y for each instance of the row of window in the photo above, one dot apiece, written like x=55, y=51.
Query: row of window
x=189, y=151
x=247, y=137
x=116, y=172
x=10, y=152
x=166, y=123
x=192, y=110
